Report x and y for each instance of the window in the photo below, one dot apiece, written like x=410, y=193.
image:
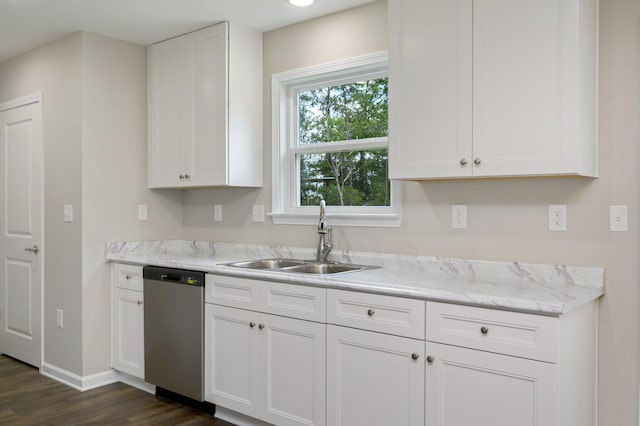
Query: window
x=330, y=142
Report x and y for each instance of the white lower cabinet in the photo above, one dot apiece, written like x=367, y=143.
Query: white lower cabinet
x=471, y=387
x=374, y=379
x=128, y=332
x=265, y=366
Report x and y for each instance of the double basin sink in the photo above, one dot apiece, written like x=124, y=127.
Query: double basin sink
x=298, y=266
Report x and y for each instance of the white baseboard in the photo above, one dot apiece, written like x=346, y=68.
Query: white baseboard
x=81, y=383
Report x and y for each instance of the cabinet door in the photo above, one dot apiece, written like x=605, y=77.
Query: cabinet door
x=293, y=371
x=206, y=150
x=373, y=380
x=430, y=78
x=169, y=112
x=232, y=358
x=470, y=387
x=128, y=332
x=526, y=90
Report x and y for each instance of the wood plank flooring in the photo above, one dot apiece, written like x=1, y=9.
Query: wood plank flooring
x=29, y=398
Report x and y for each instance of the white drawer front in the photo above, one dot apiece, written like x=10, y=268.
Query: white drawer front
x=385, y=314
x=230, y=291
x=127, y=276
x=509, y=333
x=296, y=301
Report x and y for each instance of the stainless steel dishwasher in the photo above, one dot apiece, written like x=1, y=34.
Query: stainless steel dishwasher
x=173, y=330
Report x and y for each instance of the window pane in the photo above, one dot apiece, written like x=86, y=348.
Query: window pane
x=347, y=112
x=346, y=178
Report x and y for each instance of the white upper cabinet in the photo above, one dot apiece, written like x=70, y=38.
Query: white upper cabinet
x=485, y=88
x=205, y=109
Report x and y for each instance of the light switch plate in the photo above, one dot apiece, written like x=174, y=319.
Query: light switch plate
x=217, y=212
x=618, y=218
x=258, y=213
x=68, y=213
x=142, y=212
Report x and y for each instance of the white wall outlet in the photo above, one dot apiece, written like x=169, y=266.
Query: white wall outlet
x=459, y=216
x=217, y=212
x=258, y=213
x=142, y=212
x=59, y=318
x=557, y=217
x=618, y=218
x=68, y=213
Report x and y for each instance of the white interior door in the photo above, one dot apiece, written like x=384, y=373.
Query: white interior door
x=21, y=181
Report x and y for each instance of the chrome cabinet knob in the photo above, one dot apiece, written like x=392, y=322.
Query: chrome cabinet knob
x=370, y=312
x=430, y=359
x=477, y=161
x=187, y=177
x=181, y=177
x=260, y=326
x=484, y=330
x=463, y=162
x=415, y=356
x=252, y=324
x=127, y=277
x=139, y=302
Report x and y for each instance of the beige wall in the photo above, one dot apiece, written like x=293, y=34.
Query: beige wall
x=507, y=218
x=114, y=178
x=94, y=103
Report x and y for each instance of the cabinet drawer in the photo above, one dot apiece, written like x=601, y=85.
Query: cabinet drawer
x=308, y=303
x=127, y=276
x=231, y=291
x=509, y=333
x=385, y=314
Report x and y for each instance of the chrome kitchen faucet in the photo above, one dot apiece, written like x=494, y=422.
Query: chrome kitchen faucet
x=324, y=244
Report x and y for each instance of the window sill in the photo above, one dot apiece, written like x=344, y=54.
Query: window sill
x=381, y=220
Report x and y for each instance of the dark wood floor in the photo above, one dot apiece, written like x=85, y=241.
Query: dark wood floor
x=29, y=398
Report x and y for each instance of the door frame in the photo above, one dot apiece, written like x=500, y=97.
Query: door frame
x=36, y=98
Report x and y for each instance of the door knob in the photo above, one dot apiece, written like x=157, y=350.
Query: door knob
x=33, y=249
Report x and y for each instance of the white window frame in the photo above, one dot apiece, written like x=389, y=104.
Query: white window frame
x=284, y=112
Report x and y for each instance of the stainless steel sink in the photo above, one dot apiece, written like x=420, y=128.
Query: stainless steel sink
x=267, y=263
x=298, y=266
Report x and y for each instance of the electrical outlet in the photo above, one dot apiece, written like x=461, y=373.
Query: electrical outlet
x=557, y=217
x=142, y=212
x=618, y=218
x=217, y=212
x=59, y=318
x=258, y=213
x=459, y=216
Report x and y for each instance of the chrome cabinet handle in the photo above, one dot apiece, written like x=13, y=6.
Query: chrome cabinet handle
x=33, y=249
x=430, y=359
x=477, y=161
x=252, y=324
x=139, y=302
x=484, y=330
x=463, y=162
x=415, y=355
x=370, y=312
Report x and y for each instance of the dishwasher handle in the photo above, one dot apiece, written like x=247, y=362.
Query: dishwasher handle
x=170, y=277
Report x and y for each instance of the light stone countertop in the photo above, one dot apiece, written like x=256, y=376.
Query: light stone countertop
x=534, y=288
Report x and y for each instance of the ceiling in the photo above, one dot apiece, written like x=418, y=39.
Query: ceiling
x=26, y=24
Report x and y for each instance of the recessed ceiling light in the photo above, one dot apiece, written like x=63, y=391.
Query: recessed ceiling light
x=301, y=2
